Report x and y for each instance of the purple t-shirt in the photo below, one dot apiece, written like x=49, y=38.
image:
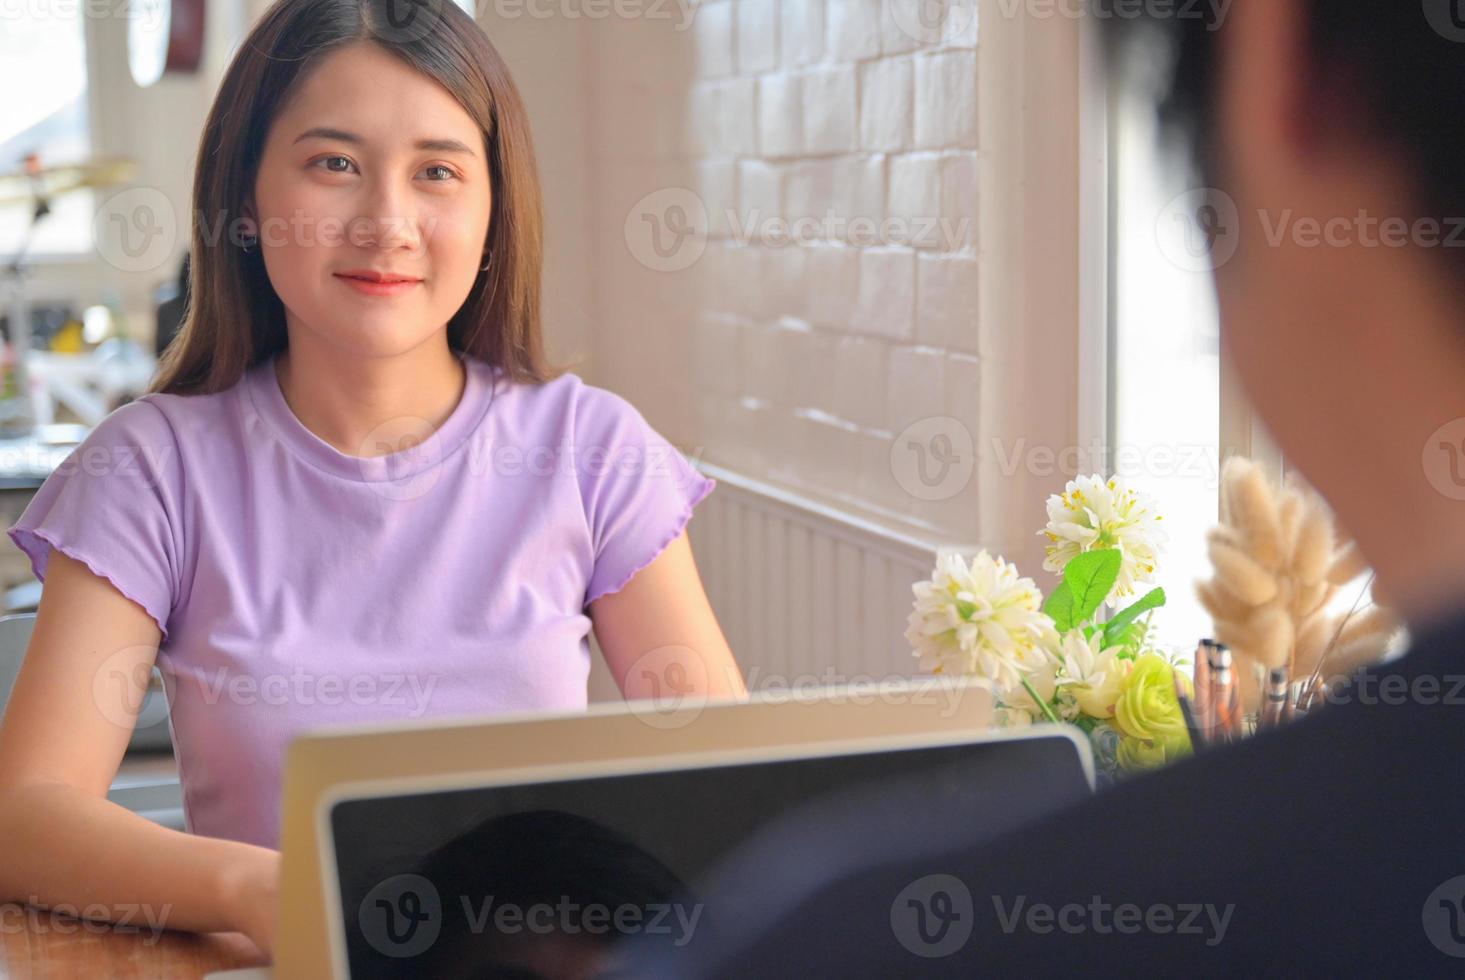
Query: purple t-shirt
x=299, y=587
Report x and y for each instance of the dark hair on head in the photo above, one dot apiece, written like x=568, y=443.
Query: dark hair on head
x=235, y=318
x=1393, y=70
x=537, y=857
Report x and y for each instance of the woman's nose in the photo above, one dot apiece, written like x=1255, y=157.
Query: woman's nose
x=386, y=218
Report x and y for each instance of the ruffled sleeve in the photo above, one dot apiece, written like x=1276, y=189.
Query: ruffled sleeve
x=112, y=504
x=638, y=489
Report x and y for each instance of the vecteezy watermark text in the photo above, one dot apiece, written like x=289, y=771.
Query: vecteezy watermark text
x=65, y=918
x=1124, y=918
x=935, y=915
x=403, y=916
x=1213, y=12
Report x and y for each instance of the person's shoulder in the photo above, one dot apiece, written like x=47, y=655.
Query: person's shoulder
x=139, y=438
x=589, y=410
x=141, y=422
x=558, y=388
x=186, y=416
x=601, y=408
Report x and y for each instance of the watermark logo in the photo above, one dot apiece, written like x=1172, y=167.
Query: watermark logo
x=135, y=230
x=143, y=465
x=666, y=230
x=569, y=917
x=402, y=916
x=1187, y=461
x=307, y=688
x=675, y=681
x=681, y=11
x=66, y=919
x=832, y=687
x=932, y=21
x=1098, y=916
x=405, y=21
x=1444, y=459
x=146, y=20
x=1198, y=231
x=933, y=459
x=1392, y=690
x=149, y=16
x=1447, y=17
x=1444, y=917
x=1212, y=12
x=121, y=683
x=933, y=916
x=400, y=457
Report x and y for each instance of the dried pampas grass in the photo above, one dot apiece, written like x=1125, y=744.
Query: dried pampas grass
x=1279, y=562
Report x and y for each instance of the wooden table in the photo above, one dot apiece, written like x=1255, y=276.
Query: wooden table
x=38, y=944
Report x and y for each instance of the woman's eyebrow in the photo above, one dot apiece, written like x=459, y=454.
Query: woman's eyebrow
x=436, y=145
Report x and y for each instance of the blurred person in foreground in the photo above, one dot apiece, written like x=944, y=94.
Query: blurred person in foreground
x=1330, y=846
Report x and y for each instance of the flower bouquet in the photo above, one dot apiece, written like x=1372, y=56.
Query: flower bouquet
x=1054, y=659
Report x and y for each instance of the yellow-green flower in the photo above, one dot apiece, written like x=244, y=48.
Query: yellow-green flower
x=1148, y=714
x=1147, y=707
x=1138, y=754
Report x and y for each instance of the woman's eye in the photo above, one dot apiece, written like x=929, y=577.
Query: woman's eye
x=446, y=173
x=327, y=160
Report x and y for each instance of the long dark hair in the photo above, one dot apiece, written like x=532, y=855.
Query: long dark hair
x=235, y=318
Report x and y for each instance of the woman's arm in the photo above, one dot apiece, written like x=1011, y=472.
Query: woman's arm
x=62, y=738
x=659, y=634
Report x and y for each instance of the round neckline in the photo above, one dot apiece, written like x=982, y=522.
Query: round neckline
x=480, y=383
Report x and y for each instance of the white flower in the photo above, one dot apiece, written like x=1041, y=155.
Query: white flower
x=1091, y=675
x=1044, y=680
x=1082, y=659
x=1091, y=515
x=980, y=619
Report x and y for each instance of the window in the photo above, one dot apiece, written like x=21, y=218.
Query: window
x=52, y=120
x=1166, y=373
x=1176, y=407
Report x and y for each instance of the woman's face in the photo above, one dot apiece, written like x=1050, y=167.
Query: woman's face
x=362, y=171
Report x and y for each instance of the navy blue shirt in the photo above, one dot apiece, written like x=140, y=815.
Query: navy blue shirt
x=1335, y=845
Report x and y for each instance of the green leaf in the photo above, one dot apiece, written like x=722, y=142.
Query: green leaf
x=1130, y=639
x=1086, y=723
x=1090, y=578
x=1121, y=621
x=1059, y=606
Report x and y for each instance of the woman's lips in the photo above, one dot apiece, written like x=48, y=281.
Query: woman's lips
x=380, y=288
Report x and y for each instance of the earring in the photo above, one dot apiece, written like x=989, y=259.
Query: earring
x=249, y=242
x=489, y=257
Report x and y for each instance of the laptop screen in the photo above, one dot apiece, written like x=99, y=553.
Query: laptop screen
x=534, y=880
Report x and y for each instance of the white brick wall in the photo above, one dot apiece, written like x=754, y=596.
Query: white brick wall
x=885, y=104
x=804, y=359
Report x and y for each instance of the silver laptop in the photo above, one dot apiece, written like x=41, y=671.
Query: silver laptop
x=413, y=850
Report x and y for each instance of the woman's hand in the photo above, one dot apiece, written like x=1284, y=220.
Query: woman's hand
x=253, y=892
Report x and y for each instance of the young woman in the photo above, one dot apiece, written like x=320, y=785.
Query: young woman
x=355, y=491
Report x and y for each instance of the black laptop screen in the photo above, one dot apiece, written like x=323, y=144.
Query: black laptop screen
x=533, y=880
